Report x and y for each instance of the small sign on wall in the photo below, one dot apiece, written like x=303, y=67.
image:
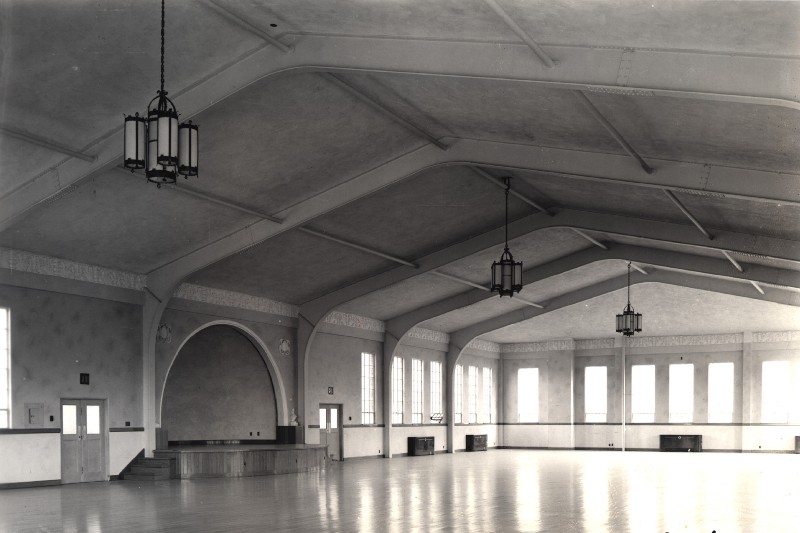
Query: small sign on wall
x=330, y=390
x=84, y=379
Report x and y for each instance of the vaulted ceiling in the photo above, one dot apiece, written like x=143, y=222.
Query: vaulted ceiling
x=352, y=152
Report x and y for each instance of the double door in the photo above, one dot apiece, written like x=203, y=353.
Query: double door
x=83, y=441
x=330, y=431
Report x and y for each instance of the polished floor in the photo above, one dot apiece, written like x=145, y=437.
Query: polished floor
x=499, y=490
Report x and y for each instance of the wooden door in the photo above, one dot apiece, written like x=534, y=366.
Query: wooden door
x=330, y=429
x=83, y=441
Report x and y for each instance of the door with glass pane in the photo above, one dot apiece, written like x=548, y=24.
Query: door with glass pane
x=83, y=441
x=330, y=432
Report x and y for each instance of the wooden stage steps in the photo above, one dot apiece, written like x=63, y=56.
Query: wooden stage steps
x=148, y=469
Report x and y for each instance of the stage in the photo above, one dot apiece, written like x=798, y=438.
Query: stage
x=241, y=460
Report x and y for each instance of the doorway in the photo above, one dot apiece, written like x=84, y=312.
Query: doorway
x=330, y=430
x=83, y=440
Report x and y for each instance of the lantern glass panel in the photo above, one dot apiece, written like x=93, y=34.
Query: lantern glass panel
x=134, y=142
x=187, y=149
x=167, y=139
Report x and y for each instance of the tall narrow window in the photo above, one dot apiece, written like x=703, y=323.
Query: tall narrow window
x=487, y=395
x=720, y=393
x=595, y=400
x=775, y=399
x=397, y=391
x=528, y=394
x=5, y=370
x=472, y=375
x=416, y=391
x=367, y=388
x=643, y=393
x=458, y=396
x=436, y=387
x=681, y=393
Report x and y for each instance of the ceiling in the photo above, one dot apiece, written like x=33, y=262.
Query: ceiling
x=352, y=156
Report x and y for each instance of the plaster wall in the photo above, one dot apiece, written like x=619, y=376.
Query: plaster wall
x=55, y=337
x=219, y=388
x=363, y=441
x=335, y=361
x=123, y=447
x=30, y=457
x=267, y=330
x=460, y=433
x=555, y=385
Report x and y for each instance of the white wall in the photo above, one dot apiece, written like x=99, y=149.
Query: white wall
x=123, y=446
x=30, y=457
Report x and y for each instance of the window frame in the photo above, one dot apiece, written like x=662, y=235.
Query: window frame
x=367, y=388
x=488, y=394
x=435, y=370
x=458, y=394
x=679, y=397
x=591, y=412
x=417, y=390
x=524, y=392
x=5, y=369
x=398, y=386
x=642, y=416
x=715, y=415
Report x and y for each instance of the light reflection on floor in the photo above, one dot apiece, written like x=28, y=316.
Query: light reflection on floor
x=499, y=490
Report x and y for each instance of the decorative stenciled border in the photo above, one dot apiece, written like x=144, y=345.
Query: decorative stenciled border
x=594, y=344
x=429, y=335
x=198, y=293
x=62, y=268
x=685, y=340
x=541, y=346
x=486, y=346
x=354, y=321
x=776, y=336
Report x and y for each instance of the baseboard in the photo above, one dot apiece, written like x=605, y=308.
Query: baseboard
x=220, y=442
x=29, y=484
x=362, y=458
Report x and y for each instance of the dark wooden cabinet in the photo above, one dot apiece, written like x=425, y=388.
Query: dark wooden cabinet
x=477, y=443
x=797, y=445
x=289, y=435
x=420, y=446
x=681, y=443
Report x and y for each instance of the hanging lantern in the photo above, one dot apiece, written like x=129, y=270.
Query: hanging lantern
x=506, y=273
x=629, y=321
x=158, y=144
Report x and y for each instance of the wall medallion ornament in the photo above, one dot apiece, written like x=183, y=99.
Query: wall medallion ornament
x=285, y=347
x=164, y=333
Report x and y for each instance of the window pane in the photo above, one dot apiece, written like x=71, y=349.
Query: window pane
x=323, y=422
x=334, y=418
x=643, y=393
x=596, y=396
x=3, y=395
x=367, y=388
x=92, y=419
x=528, y=394
x=775, y=398
x=720, y=393
x=472, y=374
x=69, y=419
x=3, y=419
x=458, y=413
x=436, y=387
x=681, y=393
x=397, y=391
x=416, y=391
x=487, y=395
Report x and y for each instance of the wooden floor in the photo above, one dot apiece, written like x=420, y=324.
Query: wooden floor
x=499, y=490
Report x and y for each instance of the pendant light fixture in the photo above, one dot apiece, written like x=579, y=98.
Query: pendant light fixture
x=506, y=273
x=157, y=143
x=629, y=321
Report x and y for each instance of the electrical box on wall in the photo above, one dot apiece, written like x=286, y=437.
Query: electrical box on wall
x=34, y=415
x=84, y=379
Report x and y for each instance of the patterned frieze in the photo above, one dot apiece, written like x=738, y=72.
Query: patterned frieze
x=338, y=318
x=684, y=340
x=199, y=293
x=485, y=346
x=594, y=344
x=776, y=336
x=429, y=335
x=540, y=346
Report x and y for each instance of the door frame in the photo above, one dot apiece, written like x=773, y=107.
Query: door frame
x=103, y=437
x=324, y=423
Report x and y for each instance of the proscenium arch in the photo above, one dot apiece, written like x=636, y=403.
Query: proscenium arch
x=266, y=356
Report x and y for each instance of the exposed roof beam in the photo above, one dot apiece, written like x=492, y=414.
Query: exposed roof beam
x=580, y=95
x=381, y=108
x=480, y=287
x=182, y=189
x=590, y=238
x=662, y=259
x=245, y=24
x=522, y=34
x=638, y=269
x=688, y=214
x=496, y=181
x=757, y=286
x=733, y=261
x=365, y=249
x=463, y=336
x=682, y=74
x=46, y=144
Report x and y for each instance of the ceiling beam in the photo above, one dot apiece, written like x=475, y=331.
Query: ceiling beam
x=522, y=34
x=356, y=246
x=609, y=127
x=463, y=336
x=381, y=108
x=590, y=238
x=733, y=261
x=638, y=269
x=688, y=214
x=499, y=182
x=247, y=25
x=681, y=74
x=654, y=257
x=757, y=286
x=46, y=144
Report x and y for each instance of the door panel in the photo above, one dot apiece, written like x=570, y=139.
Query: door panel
x=330, y=431
x=83, y=441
